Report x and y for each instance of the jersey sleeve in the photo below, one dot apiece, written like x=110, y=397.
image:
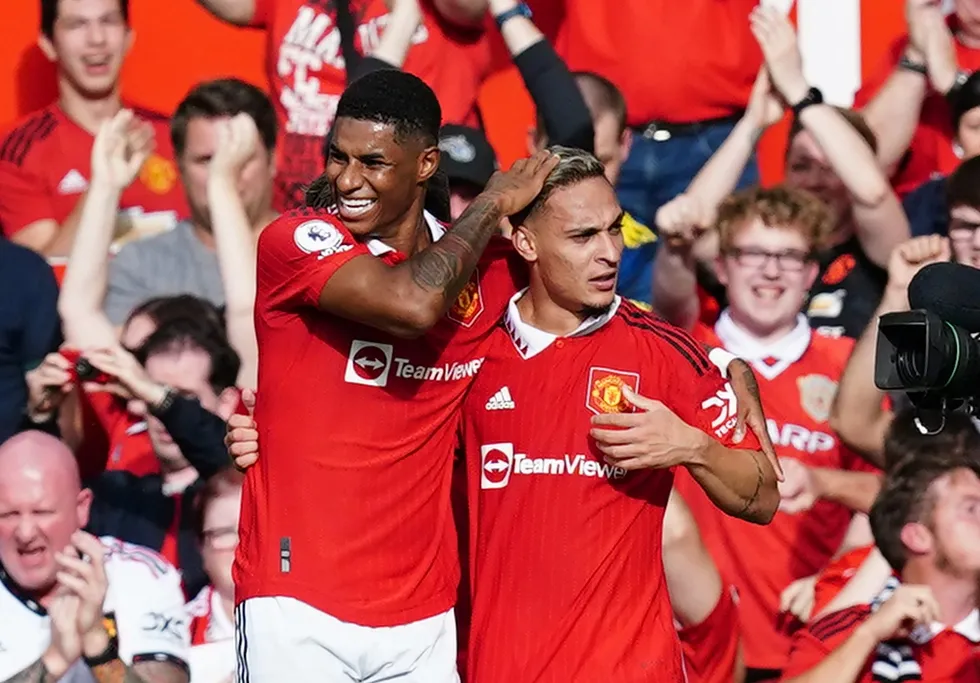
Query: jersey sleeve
x=695, y=388
x=24, y=199
x=147, y=602
x=812, y=644
x=711, y=648
x=297, y=256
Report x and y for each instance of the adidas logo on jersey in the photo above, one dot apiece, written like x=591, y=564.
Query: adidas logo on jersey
x=73, y=183
x=501, y=400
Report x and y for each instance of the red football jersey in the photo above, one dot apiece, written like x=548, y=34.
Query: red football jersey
x=837, y=574
x=348, y=509
x=798, y=378
x=45, y=166
x=711, y=648
x=951, y=656
x=113, y=438
x=566, y=575
x=306, y=72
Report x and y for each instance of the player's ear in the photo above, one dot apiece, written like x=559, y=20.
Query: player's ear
x=916, y=538
x=523, y=240
x=428, y=163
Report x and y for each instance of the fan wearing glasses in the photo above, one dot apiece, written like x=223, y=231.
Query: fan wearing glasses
x=767, y=261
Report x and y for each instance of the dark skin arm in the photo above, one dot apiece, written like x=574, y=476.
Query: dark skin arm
x=407, y=299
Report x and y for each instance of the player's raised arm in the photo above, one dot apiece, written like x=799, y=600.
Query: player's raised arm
x=410, y=297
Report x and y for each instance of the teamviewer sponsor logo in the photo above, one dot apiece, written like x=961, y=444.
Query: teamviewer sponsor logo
x=724, y=401
x=500, y=463
x=497, y=459
x=369, y=363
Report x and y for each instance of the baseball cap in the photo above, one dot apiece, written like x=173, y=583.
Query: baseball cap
x=467, y=156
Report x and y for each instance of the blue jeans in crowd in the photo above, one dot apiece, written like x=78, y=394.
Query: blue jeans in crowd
x=655, y=173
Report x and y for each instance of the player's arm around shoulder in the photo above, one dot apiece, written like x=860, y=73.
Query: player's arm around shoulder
x=147, y=603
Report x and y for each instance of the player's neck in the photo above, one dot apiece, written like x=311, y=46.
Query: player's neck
x=956, y=595
x=762, y=335
x=409, y=233
x=87, y=112
x=538, y=310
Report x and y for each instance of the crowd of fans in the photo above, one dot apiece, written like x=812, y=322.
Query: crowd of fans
x=118, y=376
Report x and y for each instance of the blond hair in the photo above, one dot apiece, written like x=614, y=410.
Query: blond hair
x=776, y=207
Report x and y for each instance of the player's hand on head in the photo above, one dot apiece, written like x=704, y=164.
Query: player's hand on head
x=237, y=142
x=797, y=598
x=48, y=384
x=780, y=49
x=682, y=221
x=750, y=414
x=908, y=607
x=797, y=490
x=652, y=437
x=516, y=188
x=122, y=144
x=911, y=256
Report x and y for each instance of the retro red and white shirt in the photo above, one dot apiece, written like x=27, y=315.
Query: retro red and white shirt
x=307, y=75
x=798, y=378
x=212, y=656
x=348, y=510
x=566, y=574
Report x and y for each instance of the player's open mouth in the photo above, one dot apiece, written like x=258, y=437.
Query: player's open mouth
x=768, y=293
x=354, y=208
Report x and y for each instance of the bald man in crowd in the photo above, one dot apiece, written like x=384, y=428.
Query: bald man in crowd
x=70, y=601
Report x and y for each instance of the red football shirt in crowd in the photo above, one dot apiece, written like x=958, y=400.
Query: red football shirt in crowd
x=673, y=61
x=931, y=150
x=711, y=648
x=45, y=167
x=307, y=76
x=348, y=509
x=798, y=378
x=113, y=438
x=832, y=580
x=566, y=574
x=951, y=656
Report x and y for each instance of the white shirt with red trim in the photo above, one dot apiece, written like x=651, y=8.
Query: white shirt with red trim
x=212, y=638
x=144, y=602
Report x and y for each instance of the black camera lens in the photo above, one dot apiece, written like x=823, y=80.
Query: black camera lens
x=85, y=370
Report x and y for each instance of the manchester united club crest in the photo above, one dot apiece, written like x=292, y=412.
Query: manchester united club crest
x=158, y=174
x=606, y=390
x=817, y=395
x=469, y=303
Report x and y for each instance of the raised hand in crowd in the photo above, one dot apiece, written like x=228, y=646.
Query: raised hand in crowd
x=237, y=142
x=121, y=146
x=912, y=256
x=47, y=386
x=764, y=108
x=781, y=52
x=128, y=379
x=931, y=42
x=683, y=220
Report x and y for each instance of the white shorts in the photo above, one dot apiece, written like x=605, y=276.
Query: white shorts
x=283, y=639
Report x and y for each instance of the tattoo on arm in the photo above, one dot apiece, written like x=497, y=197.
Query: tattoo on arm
x=759, y=481
x=35, y=673
x=446, y=265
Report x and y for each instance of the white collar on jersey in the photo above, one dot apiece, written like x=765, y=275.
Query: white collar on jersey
x=379, y=248
x=968, y=627
x=782, y=353
x=530, y=341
